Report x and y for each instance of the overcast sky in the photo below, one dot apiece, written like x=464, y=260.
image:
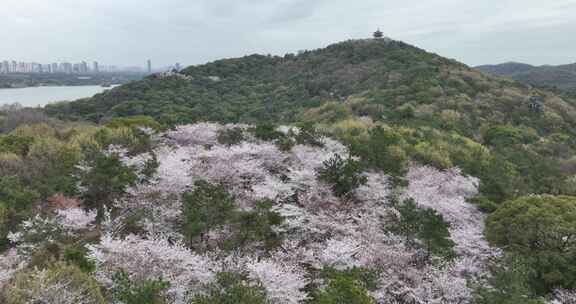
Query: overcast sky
x=127, y=32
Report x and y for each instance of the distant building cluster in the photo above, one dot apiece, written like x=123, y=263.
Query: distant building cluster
x=14, y=67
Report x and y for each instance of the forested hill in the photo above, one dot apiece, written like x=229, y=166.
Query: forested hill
x=260, y=87
x=385, y=79
x=518, y=140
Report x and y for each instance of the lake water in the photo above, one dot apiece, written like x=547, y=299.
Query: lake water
x=40, y=96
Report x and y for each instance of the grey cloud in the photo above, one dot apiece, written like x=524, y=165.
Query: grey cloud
x=127, y=32
x=296, y=10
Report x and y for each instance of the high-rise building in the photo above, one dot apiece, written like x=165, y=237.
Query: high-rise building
x=66, y=67
x=83, y=67
x=95, y=67
x=149, y=66
x=5, y=67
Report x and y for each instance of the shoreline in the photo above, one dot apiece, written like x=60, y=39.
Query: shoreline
x=57, y=86
x=43, y=95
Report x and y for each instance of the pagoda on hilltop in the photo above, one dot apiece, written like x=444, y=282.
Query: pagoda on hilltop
x=378, y=34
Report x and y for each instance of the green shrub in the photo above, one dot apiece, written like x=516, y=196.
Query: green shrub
x=15, y=205
x=539, y=229
x=5, y=227
x=308, y=135
x=383, y=150
x=405, y=111
x=342, y=288
x=266, y=132
x=344, y=176
x=134, y=140
x=208, y=206
x=15, y=196
x=502, y=136
x=500, y=180
x=150, y=167
x=367, y=278
x=77, y=256
x=232, y=288
x=285, y=143
x=146, y=292
x=255, y=226
x=134, y=122
x=432, y=156
x=509, y=283
x=485, y=204
x=37, y=286
x=329, y=112
x=19, y=145
x=106, y=179
x=51, y=165
x=425, y=225
x=230, y=137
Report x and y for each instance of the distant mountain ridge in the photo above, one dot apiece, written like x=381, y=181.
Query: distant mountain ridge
x=560, y=76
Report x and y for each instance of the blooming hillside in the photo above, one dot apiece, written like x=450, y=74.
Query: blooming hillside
x=229, y=212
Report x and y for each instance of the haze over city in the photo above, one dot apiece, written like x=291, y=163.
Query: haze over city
x=127, y=33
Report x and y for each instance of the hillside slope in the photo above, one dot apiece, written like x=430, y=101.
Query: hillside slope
x=285, y=232
x=210, y=213
x=389, y=77
x=440, y=112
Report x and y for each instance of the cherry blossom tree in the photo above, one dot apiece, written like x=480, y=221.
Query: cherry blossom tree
x=447, y=193
x=76, y=218
x=152, y=258
x=10, y=263
x=284, y=282
x=563, y=296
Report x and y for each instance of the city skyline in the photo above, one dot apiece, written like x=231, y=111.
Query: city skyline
x=10, y=66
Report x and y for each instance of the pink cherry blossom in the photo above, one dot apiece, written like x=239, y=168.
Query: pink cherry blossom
x=152, y=258
x=76, y=218
x=284, y=282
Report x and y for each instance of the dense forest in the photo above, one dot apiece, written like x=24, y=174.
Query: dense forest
x=369, y=171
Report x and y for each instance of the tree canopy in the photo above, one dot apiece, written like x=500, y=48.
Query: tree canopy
x=543, y=230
